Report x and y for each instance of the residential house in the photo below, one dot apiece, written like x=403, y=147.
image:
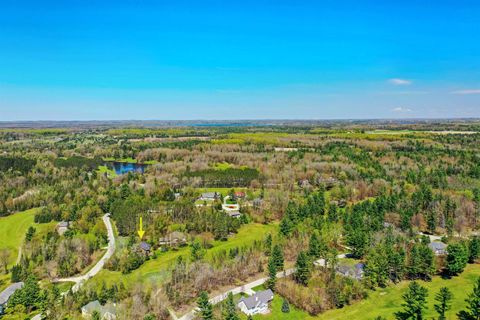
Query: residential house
x=354, y=272
x=234, y=214
x=106, y=312
x=145, y=248
x=239, y=195
x=439, y=248
x=174, y=238
x=209, y=196
x=62, y=227
x=257, y=303
x=7, y=293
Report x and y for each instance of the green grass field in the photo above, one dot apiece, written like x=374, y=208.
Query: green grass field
x=384, y=302
x=13, y=229
x=155, y=270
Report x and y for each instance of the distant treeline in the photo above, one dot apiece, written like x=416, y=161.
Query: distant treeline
x=231, y=177
x=16, y=164
x=79, y=162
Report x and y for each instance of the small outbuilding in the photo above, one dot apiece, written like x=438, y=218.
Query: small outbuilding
x=106, y=312
x=62, y=227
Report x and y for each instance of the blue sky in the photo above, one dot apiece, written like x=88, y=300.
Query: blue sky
x=82, y=60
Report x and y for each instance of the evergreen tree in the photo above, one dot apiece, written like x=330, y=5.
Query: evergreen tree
x=230, y=309
x=30, y=233
x=204, y=306
x=314, y=247
x=285, y=306
x=415, y=302
x=457, y=258
x=272, y=274
x=474, y=249
x=277, y=256
x=473, y=304
x=96, y=315
x=302, y=266
x=443, y=297
x=285, y=226
x=197, y=251
x=268, y=244
x=421, y=262
x=333, y=213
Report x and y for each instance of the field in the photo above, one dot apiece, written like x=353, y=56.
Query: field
x=13, y=229
x=156, y=270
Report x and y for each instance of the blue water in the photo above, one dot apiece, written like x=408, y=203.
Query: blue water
x=124, y=167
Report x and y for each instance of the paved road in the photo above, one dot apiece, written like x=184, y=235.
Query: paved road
x=248, y=288
x=79, y=280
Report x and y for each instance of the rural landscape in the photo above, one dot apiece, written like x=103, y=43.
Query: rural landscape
x=312, y=220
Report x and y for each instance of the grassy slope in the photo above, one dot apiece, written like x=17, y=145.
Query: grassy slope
x=13, y=229
x=384, y=302
x=156, y=270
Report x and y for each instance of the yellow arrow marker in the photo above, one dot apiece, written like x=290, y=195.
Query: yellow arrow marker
x=141, y=232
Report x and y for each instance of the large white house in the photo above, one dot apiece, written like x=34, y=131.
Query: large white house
x=257, y=303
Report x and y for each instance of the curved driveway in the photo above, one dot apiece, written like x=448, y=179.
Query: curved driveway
x=79, y=280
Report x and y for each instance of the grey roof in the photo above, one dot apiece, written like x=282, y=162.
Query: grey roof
x=92, y=306
x=234, y=214
x=63, y=224
x=209, y=195
x=261, y=297
x=7, y=293
x=96, y=306
x=437, y=246
x=145, y=246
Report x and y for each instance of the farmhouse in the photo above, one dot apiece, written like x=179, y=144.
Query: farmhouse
x=145, y=248
x=7, y=293
x=257, y=303
x=354, y=272
x=107, y=312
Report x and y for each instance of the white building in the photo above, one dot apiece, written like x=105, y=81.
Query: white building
x=257, y=303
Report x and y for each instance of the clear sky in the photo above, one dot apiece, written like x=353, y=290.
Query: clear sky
x=83, y=60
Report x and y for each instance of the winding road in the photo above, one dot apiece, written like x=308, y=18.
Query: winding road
x=79, y=280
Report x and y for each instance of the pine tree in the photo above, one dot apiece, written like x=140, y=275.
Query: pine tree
x=457, y=258
x=443, y=297
x=268, y=244
x=272, y=274
x=285, y=226
x=204, y=306
x=302, y=273
x=415, y=303
x=473, y=304
x=474, y=249
x=314, y=247
x=277, y=256
x=230, y=309
x=285, y=306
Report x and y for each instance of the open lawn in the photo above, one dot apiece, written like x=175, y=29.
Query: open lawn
x=13, y=229
x=384, y=302
x=155, y=270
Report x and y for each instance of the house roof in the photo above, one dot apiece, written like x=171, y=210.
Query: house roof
x=209, y=195
x=92, y=306
x=261, y=297
x=7, y=293
x=145, y=246
x=234, y=213
x=437, y=246
x=63, y=224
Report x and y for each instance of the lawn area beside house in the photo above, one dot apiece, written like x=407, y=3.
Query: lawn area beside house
x=384, y=302
x=155, y=270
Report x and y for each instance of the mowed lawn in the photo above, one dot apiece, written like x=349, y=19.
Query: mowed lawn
x=385, y=302
x=13, y=229
x=156, y=270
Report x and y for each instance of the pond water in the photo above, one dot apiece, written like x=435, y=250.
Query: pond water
x=125, y=167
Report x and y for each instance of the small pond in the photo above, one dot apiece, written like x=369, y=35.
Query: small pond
x=125, y=167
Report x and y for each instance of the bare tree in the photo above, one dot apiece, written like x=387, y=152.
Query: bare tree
x=4, y=258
